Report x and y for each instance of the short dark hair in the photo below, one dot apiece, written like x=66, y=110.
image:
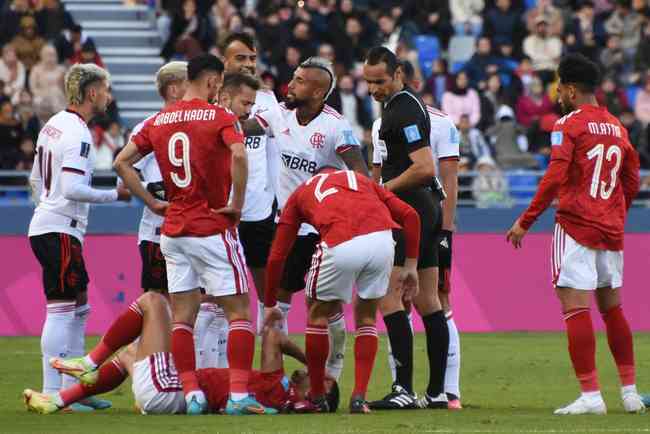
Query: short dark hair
x=235, y=80
x=578, y=70
x=377, y=55
x=408, y=70
x=242, y=37
x=203, y=63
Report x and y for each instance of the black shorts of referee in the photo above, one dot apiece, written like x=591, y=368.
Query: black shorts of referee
x=427, y=205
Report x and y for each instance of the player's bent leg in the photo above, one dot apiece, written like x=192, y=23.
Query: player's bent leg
x=621, y=345
x=428, y=306
x=124, y=330
x=365, y=352
x=582, y=350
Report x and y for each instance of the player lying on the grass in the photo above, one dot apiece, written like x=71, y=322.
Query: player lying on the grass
x=156, y=386
x=354, y=217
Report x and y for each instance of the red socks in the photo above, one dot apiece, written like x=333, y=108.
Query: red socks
x=317, y=348
x=620, y=342
x=365, y=350
x=184, y=358
x=111, y=375
x=582, y=348
x=124, y=330
x=240, y=351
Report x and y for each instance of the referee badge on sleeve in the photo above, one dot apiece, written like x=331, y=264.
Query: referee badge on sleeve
x=412, y=133
x=556, y=138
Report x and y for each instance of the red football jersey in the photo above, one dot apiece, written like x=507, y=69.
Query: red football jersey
x=191, y=141
x=594, y=173
x=271, y=389
x=341, y=205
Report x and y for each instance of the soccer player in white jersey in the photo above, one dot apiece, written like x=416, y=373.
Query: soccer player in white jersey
x=171, y=81
x=257, y=224
x=444, y=140
x=60, y=181
x=309, y=134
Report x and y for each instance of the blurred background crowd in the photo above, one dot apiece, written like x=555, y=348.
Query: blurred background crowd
x=489, y=64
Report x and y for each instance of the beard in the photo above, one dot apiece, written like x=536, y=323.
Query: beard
x=294, y=103
x=565, y=108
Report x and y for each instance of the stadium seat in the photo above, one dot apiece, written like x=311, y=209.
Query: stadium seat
x=428, y=48
x=456, y=67
x=631, y=92
x=461, y=48
x=523, y=185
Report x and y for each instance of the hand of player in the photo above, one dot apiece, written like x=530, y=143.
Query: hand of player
x=408, y=279
x=123, y=193
x=159, y=208
x=516, y=234
x=230, y=211
x=271, y=316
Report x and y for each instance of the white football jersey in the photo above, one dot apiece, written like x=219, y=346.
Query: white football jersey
x=444, y=138
x=64, y=144
x=305, y=148
x=150, y=223
x=260, y=187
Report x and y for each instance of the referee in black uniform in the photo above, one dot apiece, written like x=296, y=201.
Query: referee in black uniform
x=409, y=172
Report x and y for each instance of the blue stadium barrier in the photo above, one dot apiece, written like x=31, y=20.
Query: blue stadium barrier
x=522, y=185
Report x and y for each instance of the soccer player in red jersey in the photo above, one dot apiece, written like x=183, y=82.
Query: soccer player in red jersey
x=156, y=386
x=594, y=175
x=354, y=217
x=200, y=150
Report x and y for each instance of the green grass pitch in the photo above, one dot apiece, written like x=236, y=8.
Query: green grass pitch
x=510, y=384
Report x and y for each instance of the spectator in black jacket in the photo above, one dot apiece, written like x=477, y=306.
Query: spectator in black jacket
x=432, y=17
x=482, y=63
x=191, y=33
x=53, y=19
x=504, y=24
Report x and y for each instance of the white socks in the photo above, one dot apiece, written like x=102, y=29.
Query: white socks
x=77, y=341
x=452, y=375
x=285, y=308
x=205, y=316
x=337, y=336
x=217, y=342
x=56, y=340
x=260, y=318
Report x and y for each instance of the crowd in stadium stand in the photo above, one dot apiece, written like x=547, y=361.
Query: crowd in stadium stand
x=502, y=97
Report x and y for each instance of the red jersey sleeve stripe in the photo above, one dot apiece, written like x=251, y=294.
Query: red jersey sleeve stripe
x=343, y=149
x=73, y=170
x=451, y=157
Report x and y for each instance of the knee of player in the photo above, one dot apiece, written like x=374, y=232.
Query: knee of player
x=152, y=301
x=272, y=336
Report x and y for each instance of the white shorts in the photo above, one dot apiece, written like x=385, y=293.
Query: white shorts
x=215, y=263
x=156, y=386
x=366, y=260
x=576, y=266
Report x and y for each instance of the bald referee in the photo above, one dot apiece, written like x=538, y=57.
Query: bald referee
x=409, y=172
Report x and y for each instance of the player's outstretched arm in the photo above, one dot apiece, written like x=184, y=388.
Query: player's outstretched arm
x=419, y=174
x=123, y=165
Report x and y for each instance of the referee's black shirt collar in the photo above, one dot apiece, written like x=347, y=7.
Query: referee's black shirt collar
x=404, y=89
